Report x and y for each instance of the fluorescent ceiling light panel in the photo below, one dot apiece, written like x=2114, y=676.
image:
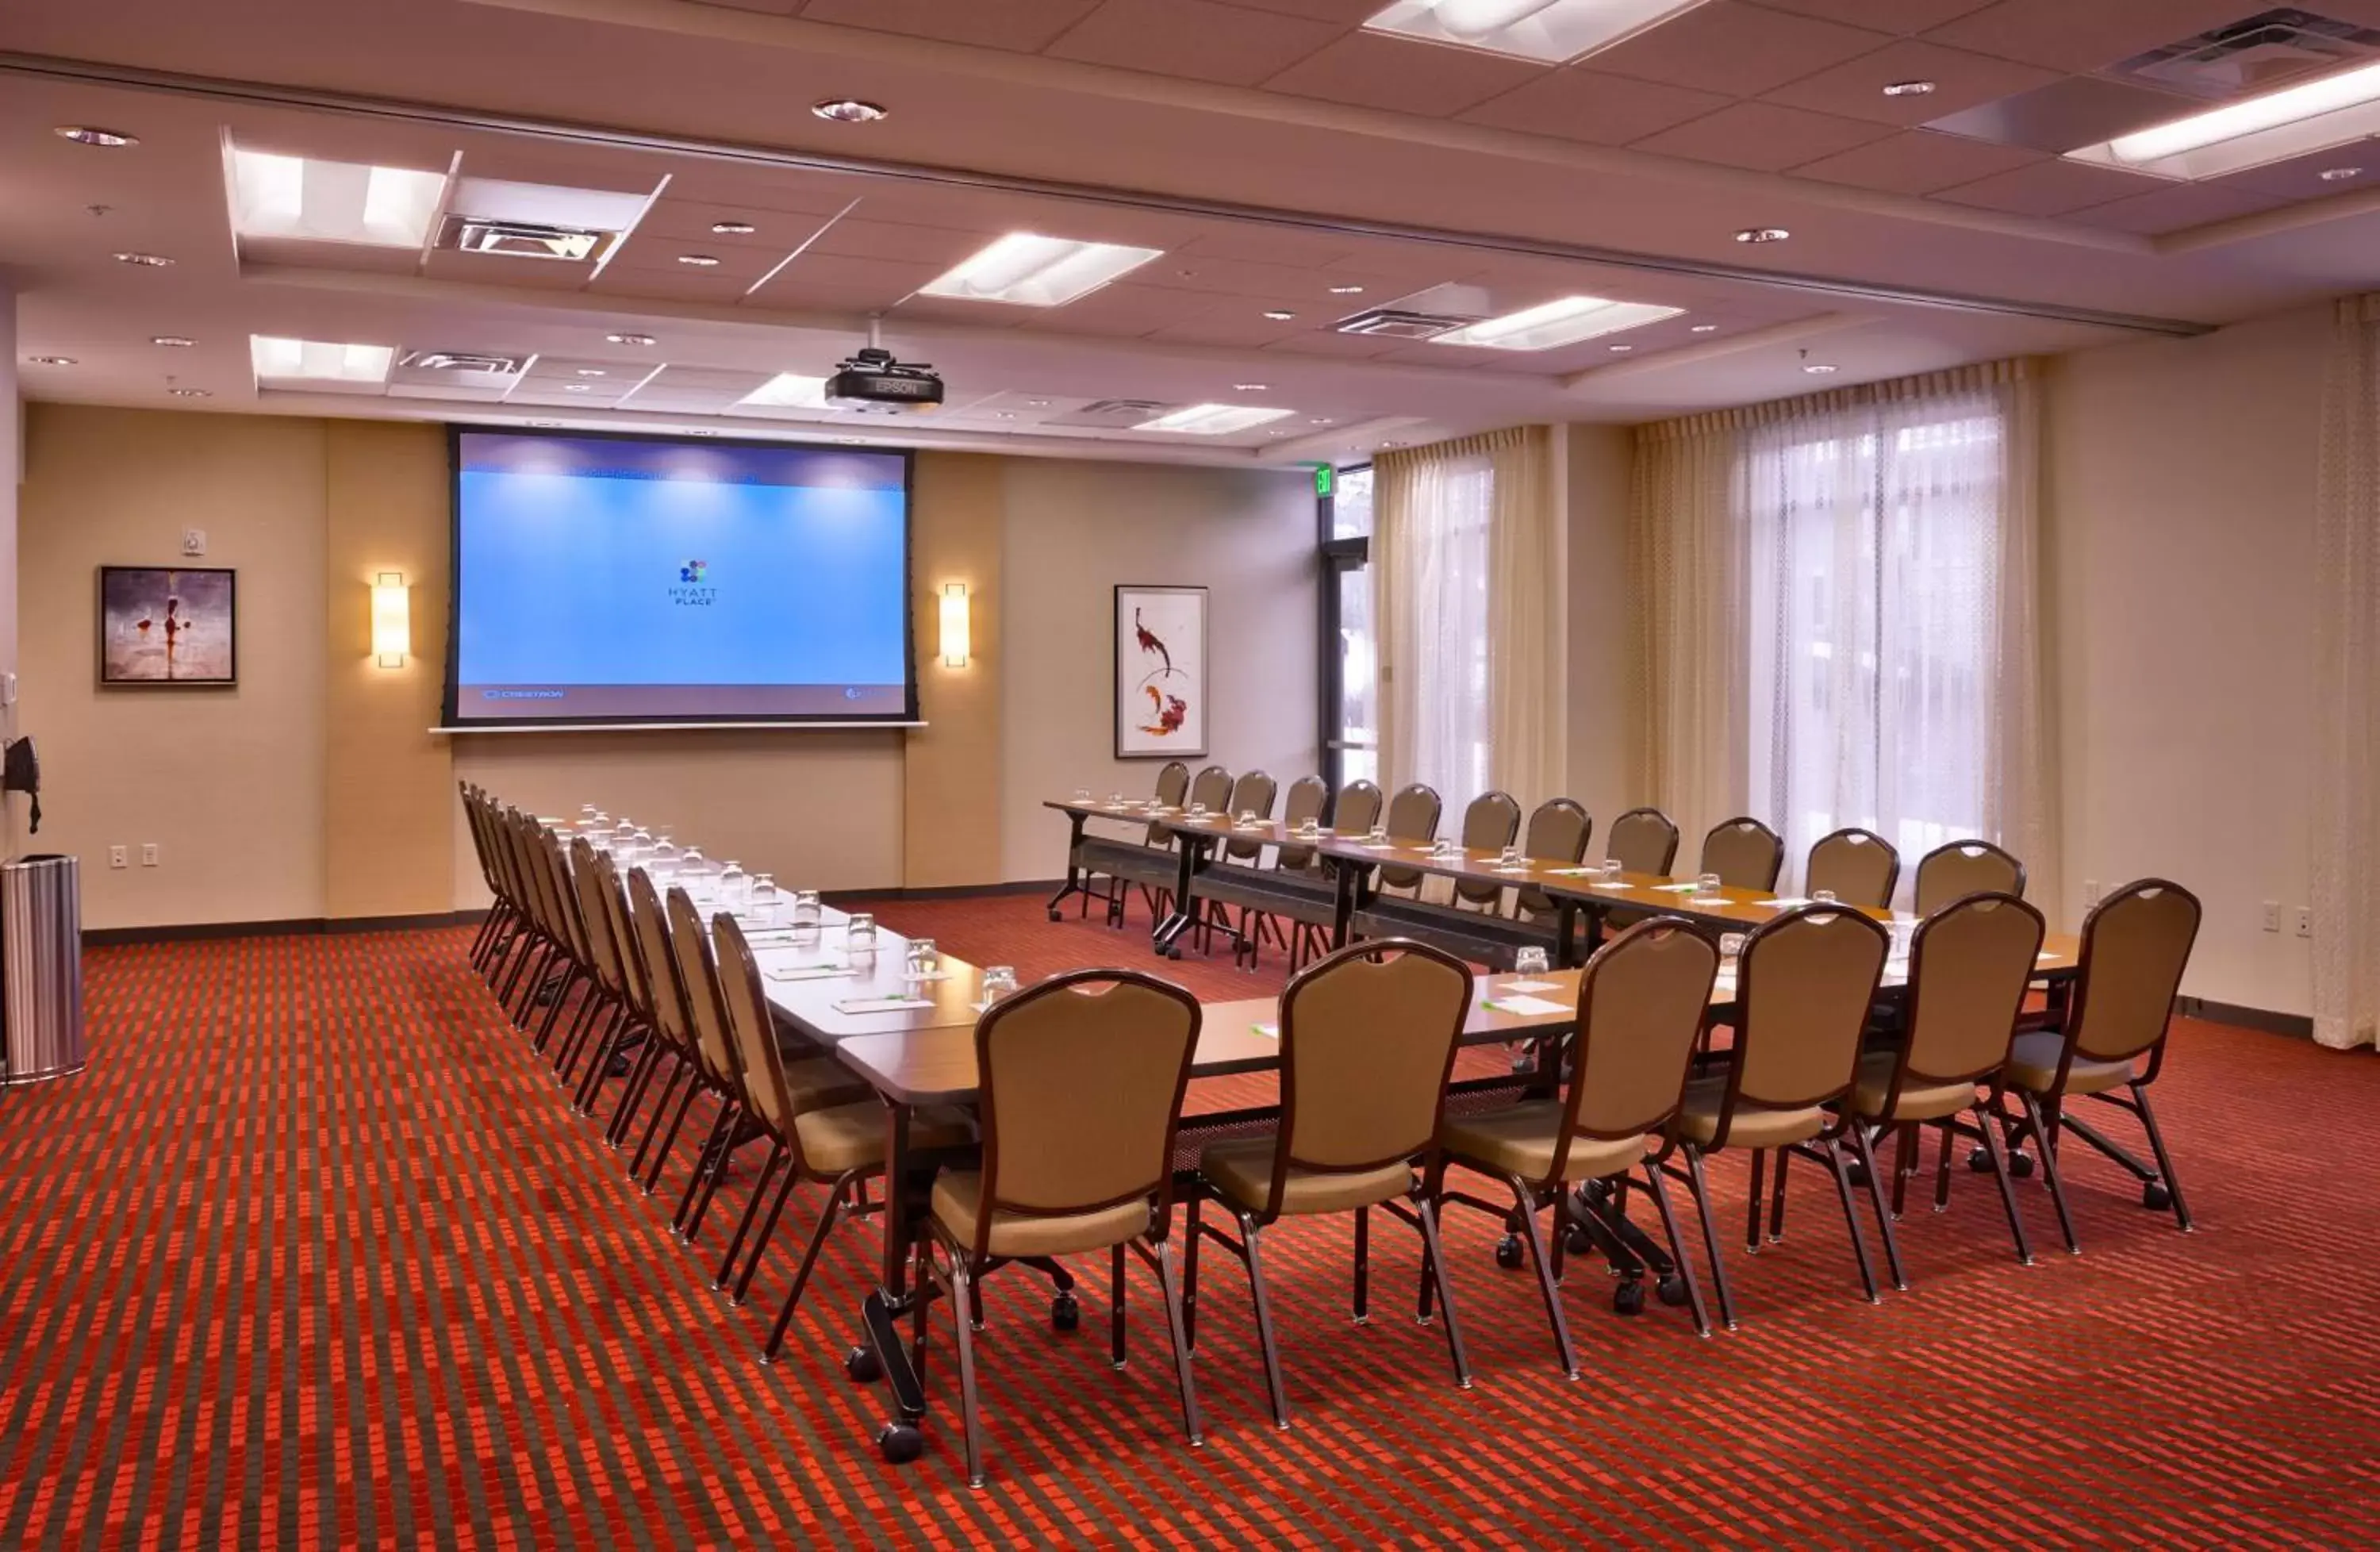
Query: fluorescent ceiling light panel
x=2318, y=115
x=1565, y=321
x=1551, y=30
x=1033, y=270
x=1213, y=419
x=331, y=201
x=318, y=362
x=788, y=390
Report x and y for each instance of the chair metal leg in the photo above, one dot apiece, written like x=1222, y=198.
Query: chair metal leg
x=1752, y=1226
x=770, y=1349
x=1116, y=1353
x=2000, y=1172
x=1535, y=1234
x=2049, y=1173
x=1904, y=1151
x=632, y=1093
x=1190, y=1274
x=678, y=1071
x=1942, y=1165
x=1192, y=1423
x=1710, y=1234
x=1777, y=1200
x=1249, y=1234
x=669, y=1140
x=751, y=1210
x=1428, y=1215
x=1678, y=1256
x=1851, y=1217
x=969, y=1414
x=2163, y=1160
x=1876, y=1197
x=1363, y=1300
x=710, y=1169
x=767, y=1232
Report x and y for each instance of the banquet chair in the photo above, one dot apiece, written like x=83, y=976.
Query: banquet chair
x=1965, y=868
x=1301, y=915
x=1558, y=835
x=1490, y=823
x=1744, y=853
x=1153, y=869
x=1859, y=866
x=1252, y=792
x=493, y=924
x=1097, y=852
x=707, y=1069
x=1082, y=1080
x=607, y=1016
x=1367, y=1042
x=1805, y=984
x=1968, y=968
x=545, y=965
x=1644, y=840
x=2136, y=943
x=1412, y=819
x=1295, y=870
x=1640, y=1002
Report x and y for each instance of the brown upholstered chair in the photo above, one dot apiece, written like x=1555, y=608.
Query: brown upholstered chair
x=1412, y=819
x=1640, y=1003
x=1967, y=968
x=1082, y=1079
x=1297, y=919
x=2136, y=943
x=1859, y=866
x=1357, y=808
x=1368, y=1040
x=1557, y=833
x=1744, y=853
x=1644, y=840
x=1308, y=796
x=709, y=1069
x=1211, y=786
x=1253, y=792
x=1965, y=868
x=1489, y=824
x=1298, y=866
x=1097, y=853
x=1805, y=982
x=617, y=1029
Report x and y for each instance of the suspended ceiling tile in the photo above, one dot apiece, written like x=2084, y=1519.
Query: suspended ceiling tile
x=1917, y=162
x=497, y=268
x=1328, y=342
x=1027, y=26
x=1884, y=16
x=1265, y=245
x=829, y=280
x=2051, y=187
x=1231, y=324
x=1762, y=137
x=742, y=263
x=1350, y=13
x=676, y=284
x=2179, y=205
x=1739, y=49
x=1576, y=104
x=1855, y=89
x=1404, y=75
x=854, y=238
x=2077, y=37
x=689, y=223
x=1124, y=310
x=1196, y=39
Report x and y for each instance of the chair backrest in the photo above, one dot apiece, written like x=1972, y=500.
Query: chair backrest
x=1212, y=787
x=1252, y=793
x=1744, y=853
x=1806, y=985
x=587, y=889
x=1644, y=840
x=634, y=981
x=1641, y=1000
x=666, y=994
x=1860, y=865
x=1308, y=795
x=1968, y=969
x=475, y=814
x=516, y=827
x=1082, y=1080
x=1965, y=868
x=690, y=954
x=1557, y=833
x=1489, y=824
x=1368, y=1040
x=758, y=1062
x=1357, y=808
x=1172, y=788
x=2136, y=943
x=1412, y=815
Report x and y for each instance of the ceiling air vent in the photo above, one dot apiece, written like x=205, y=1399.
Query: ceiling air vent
x=2266, y=51
x=522, y=239
x=1398, y=323
x=463, y=361
x=1099, y=413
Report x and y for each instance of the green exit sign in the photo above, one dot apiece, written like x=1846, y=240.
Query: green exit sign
x=1323, y=478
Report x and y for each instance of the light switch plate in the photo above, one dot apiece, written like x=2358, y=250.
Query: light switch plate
x=194, y=541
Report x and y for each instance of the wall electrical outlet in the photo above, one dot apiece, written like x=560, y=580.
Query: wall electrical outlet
x=2305, y=921
x=148, y=854
x=2271, y=915
x=116, y=857
x=194, y=541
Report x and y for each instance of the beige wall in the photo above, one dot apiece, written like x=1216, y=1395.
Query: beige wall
x=2181, y=491
x=1073, y=531
x=227, y=782
x=951, y=794
x=1601, y=679
x=12, y=470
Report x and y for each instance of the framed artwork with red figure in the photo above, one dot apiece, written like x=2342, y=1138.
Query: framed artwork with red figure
x=1160, y=673
x=167, y=625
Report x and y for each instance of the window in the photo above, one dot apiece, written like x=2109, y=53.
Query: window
x=1350, y=736
x=1448, y=700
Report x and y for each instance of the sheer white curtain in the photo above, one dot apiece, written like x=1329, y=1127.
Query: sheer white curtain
x=1463, y=567
x=2346, y=688
x=1842, y=617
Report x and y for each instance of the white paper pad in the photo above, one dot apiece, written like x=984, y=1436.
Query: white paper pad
x=1573, y=872
x=1528, y=1006
x=1674, y=888
x=1610, y=884
x=929, y=975
x=1782, y=902
x=807, y=973
x=881, y=1004
x=1529, y=986
x=1270, y=1031
x=2046, y=958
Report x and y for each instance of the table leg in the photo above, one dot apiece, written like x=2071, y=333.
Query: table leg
x=1565, y=931
x=879, y=1316
x=1342, y=901
x=1184, y=913
x=1073, y=867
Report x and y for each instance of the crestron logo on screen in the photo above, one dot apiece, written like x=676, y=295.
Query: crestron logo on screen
x=690, y=592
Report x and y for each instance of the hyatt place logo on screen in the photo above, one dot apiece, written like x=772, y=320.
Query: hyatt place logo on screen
x=691, y=591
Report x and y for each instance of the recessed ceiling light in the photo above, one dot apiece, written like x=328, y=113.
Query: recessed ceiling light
x=1027, y=270
x=700, y=260
x=1550, y=30
x=333, y=202
x=1003, y=414
x=1762, y=235
x=697, y=430
x=1212, y=419
x=190, y=393
x=2332, y=110
x=788, y=390
x=1320, y=420
x=632, y=339
x=852, y=441
x=1346, y=290
x=51, y=360
x=1386, y=444
x=1281, y=433
x=1277, y=316
x=2339, y=174
x=1250, y=387
x=545, y=425
x=1703, y=329
x=578, y=388
x=1618, y=349
x=92, y=135
x=145, y=261
x=594, y=372
x=733, y=228
x=847, y=110
x=319, y=361
x=1566, y=321
x=1036, y=404
x=1818, y=369
x=1909, y=89
x=172, y=342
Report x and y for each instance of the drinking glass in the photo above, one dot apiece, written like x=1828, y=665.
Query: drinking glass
x=1197, y=810
x=1247, y=819
x=661, y=862
x=1822, y=897
x=589, y=818
x=1530, y=962
x=923, y=961
x=734, y=885
x=1612, y=869
x=1082, y=795
x=1904, y=938
x=1730, y=946
x=1510, y=861
x=806, y=908
x=1310, y=830
x=859, y=933
x=764, y=896
x=999, y=981
x=1116, y=798
x=1707, y=885
x=1379, y=836
x=1444, y=846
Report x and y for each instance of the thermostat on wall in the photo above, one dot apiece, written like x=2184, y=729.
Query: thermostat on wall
x=194, y=541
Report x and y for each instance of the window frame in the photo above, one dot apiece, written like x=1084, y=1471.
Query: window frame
x=1334, y=557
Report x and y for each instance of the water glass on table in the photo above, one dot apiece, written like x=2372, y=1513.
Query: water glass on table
x=923, y=960
x=859, y=934
x=764, y=899
x=1706, y=886
x=1379, y=836
x=999, y=981
x=1613, y=870
x=1530, y=962
x=1731, y=949
x=807, y=910
x=1510, y=860
x=1822, y=897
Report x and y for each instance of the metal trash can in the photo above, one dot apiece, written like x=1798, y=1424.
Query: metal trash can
x=41, y=967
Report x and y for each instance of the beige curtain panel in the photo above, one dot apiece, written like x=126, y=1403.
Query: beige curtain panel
x=2345, y=806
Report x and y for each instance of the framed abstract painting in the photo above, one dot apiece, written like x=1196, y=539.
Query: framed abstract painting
x=168, y=626
x=1160, y=673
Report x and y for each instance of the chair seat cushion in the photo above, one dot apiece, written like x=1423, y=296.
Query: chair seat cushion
x=1754, y=1127
x=958, y=1203
x=844, y=1137
x=821, y=1082
x=2033, y=1066
x=1519, y=1140
x=1919, y=1100
x=1240, y=1173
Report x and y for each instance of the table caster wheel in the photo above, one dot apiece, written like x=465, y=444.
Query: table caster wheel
x=1629, y=1297
x=1508, y=1252
x=1174, y=952
x=1671, y=1291
x=1056, y=915
x=1856, y=1171
x=1979, y=1160
x=2021, y=1165
x=1579, y=1242
x=900, y=1442
x=860, y=1365
x=2156, y=1196
x=1065, y=1314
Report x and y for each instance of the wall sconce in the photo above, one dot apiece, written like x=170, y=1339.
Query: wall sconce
x=392, y=619
x=954, y=625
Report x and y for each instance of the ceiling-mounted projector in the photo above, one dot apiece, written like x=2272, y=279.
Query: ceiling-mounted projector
x=873, y=381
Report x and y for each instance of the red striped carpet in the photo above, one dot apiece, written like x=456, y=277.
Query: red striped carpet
x=314, y=1256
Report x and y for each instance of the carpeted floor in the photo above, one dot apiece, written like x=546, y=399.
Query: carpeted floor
x=313, y=1256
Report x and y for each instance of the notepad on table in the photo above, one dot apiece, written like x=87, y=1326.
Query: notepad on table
x=1528, y=1007
x=1782, y=902
x=1270, y=1031
x=1573, y=872
x=1675, y=888
x=807, y=973
x=1529, y=986
x=881, y=1004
